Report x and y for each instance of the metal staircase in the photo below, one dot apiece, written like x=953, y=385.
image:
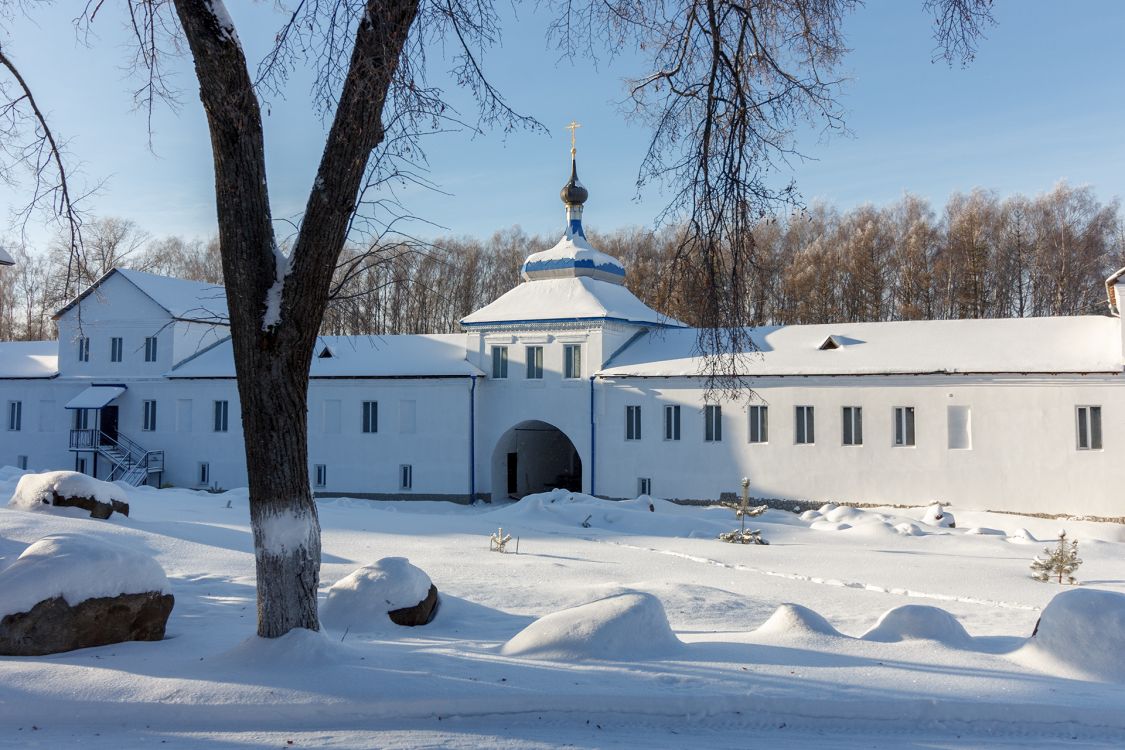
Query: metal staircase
x=130, y=462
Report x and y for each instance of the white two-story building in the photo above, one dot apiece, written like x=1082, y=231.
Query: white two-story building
x=569, y=380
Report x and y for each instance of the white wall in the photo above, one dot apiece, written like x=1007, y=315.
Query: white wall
x=1023, y=453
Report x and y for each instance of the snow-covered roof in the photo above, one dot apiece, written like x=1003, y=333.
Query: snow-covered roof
x=1015, y=345
x=573, y=256
x=29, y=359
x=5, y=259
x=95, y=397
x=183, y=299
x=567, y=299
x=417, y=356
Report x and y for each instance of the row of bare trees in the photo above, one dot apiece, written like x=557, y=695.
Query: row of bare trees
x=982, y=257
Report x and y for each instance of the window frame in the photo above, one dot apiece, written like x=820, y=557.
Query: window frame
x=851, y=426
x=758, y=424
x=804, y=424
x=534, y=361
x=221, y=413
x=116, y=349
x=632, y=422
x=499, y=362
x=148, y=415
x=572, y=361
x=406, y=476
x=906, y=425
x=644, y=486
x=712, y=423
x=203, y=474
x=370, y=422
x=671, y=422
x=15, y=416
x=1088, y=426
x=150, y=348
x=83, y=348
x=320, y=475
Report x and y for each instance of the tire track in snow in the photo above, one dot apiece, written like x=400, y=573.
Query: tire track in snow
x=828, y=581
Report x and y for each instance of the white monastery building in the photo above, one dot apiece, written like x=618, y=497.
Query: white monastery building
x=569, y=380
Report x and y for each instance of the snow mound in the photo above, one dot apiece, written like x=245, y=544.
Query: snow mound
x=641, y=515
x=297, y=648
x=1022, y=536
x=1080, y=634
x=908, y=529
x=361, y=600
x=795, y=621
x=76, y=567
x=984, y=531
x=8, y=473
x=919, y=621
x=34, y=491
x=627, y=626
x=935, y=515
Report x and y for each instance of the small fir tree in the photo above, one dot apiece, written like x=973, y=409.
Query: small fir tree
x=742, y=511
x=1060, y=563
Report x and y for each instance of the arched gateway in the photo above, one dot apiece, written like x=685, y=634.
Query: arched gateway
x=534, y=456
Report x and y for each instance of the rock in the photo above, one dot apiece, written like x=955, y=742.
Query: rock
x=379, y=596
x=53, y=625
x=68, y=489
x=421, y=613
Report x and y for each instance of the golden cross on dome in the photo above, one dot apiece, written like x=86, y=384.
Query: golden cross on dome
x=573, y=126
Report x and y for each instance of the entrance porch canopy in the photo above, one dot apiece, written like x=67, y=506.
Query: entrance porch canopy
x=95, y=397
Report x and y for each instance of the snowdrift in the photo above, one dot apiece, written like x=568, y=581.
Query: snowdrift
x=794, y=622
x=1080, y=634
x=922, y=622
x=628, y=626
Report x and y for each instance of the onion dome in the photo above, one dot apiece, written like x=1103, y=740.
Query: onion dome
x=573, y=255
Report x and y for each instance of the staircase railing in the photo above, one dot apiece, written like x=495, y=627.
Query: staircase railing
x=127, y=457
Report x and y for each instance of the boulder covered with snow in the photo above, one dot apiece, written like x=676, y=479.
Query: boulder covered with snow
x=919, y=621
x=69, y=591
x=794, y=622
x=632, y=625
x=389, y=590
x=1080, y=634
x=69, y=489
x=935, y=515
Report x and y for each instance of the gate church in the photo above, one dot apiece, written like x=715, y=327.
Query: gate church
x=569, y=380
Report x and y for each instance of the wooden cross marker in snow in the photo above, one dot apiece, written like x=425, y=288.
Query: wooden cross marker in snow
x=497, y=541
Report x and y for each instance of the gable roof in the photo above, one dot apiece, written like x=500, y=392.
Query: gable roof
x=567, y=299
x=1080, y=344
x=193, y=301
x=5, y=259
x=408, y=356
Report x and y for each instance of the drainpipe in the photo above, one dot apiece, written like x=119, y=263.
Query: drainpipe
x=593, y=441
x=473, y=440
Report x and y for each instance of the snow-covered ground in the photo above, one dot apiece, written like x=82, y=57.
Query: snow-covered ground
x=721, y=679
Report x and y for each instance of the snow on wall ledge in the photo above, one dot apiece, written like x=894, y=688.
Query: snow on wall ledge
x=76, y=567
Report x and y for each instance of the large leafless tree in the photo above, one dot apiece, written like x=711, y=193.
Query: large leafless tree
x=727, y=83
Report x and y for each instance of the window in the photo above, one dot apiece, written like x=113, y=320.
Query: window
x=149, y=423
x=572, y=361
x=320, y=478
x=960, y=428
x=1089, y=428
x=712, y=423
x=853, y=425
x=806, y=434
x=83, y=349
x=15, y=415
x=405, y=477
x=644, y=485
x=759, y=424
x=221, y=413
x=370, y=416
x=150, y=349
x=331, y=416
x=500, y=362
x=671, y=422
x=80, y=465
x=904, y=426
x=534, y=363
x=21, y=462
x=81, y=419
x=632, y=423
x=205, y=474
x=115, y=349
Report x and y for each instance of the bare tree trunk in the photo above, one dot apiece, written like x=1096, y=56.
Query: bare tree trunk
x=276, y=303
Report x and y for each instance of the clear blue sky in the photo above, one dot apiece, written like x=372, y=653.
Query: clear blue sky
x=1043, y=101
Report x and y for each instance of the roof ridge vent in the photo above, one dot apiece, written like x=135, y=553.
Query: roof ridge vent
x=326, y=353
